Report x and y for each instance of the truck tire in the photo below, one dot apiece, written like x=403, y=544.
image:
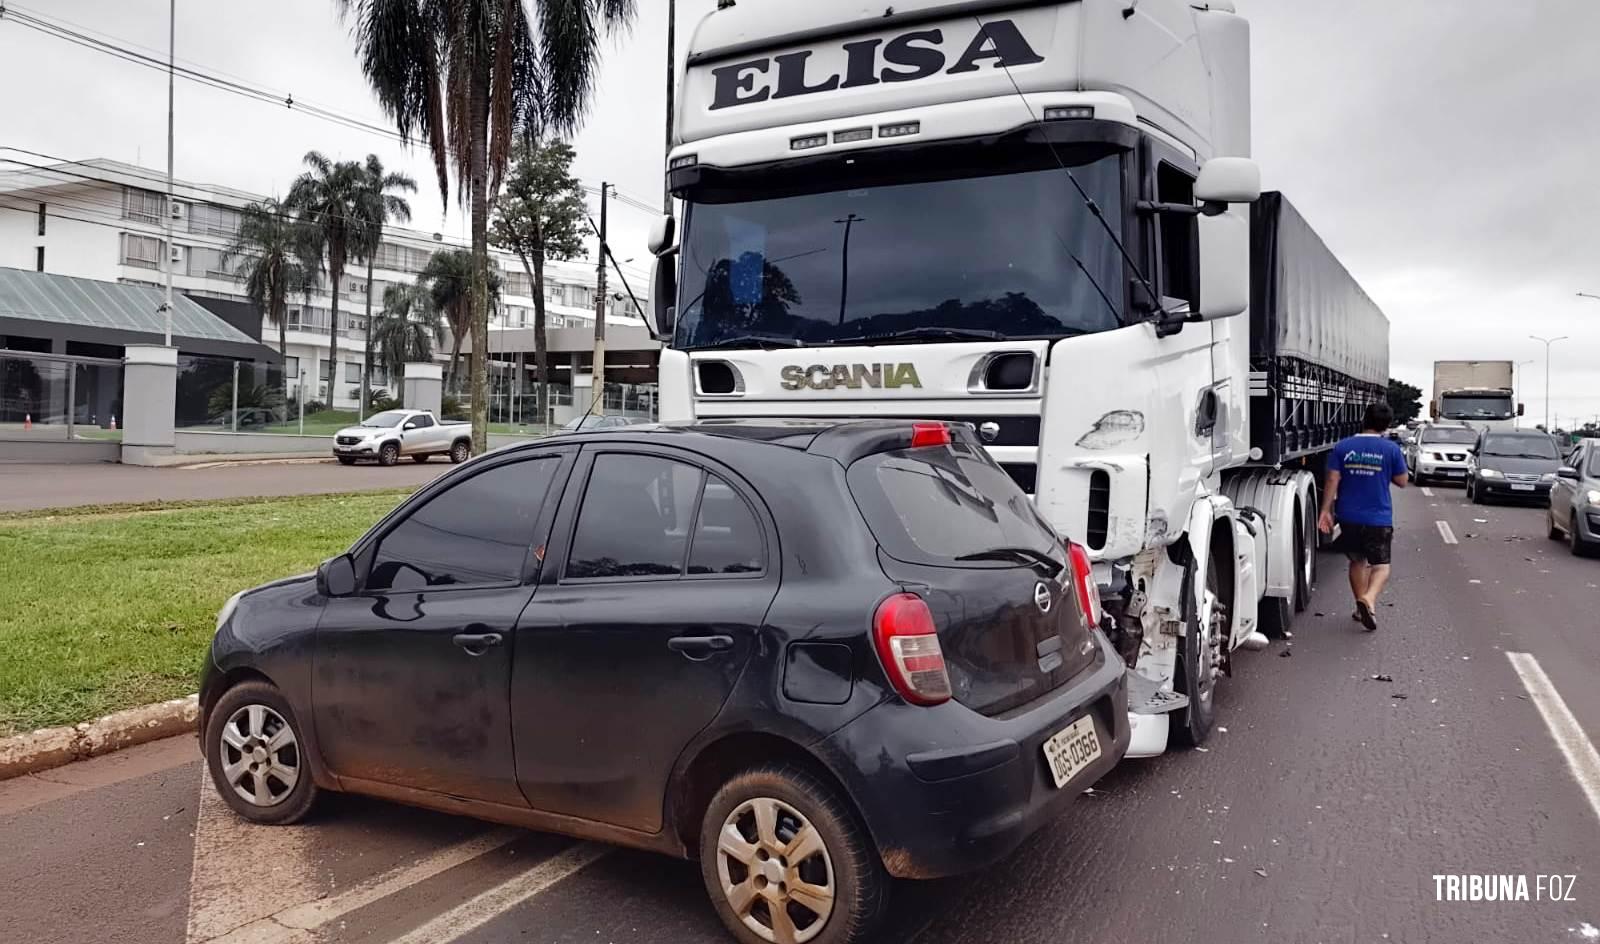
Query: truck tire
x=460, y=451
x=1305, y=571
x=1192, y=724
x=389, y=453
x=839, y=858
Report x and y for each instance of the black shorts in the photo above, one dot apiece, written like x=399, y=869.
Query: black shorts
x=1373, y=544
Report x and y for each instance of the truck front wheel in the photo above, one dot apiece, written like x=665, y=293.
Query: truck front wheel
x=1199, y=655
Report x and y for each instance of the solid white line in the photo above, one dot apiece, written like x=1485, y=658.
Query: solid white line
x=289, y=924
x=478, y=911
x=1427, y=491
x=1581, y=755
x=1445, y=532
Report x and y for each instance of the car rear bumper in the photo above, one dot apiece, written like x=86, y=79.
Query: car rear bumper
x=947, y=790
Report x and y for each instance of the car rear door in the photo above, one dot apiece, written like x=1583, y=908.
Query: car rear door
x=663, y=567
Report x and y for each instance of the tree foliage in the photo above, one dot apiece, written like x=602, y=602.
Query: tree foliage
x=276, y=257
x=1405, y=400
x=330, y=199
x=448, y=281
x=378, y=207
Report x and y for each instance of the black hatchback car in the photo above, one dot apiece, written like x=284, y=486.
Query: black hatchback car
x=1509, y=465
x=811, y=655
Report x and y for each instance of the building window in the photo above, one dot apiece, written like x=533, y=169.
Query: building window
x=206, y=263
x=352, y=372
x=38, y=259
x=516, y=283
x=211, y=220
x=291, y=368
x=293, y=318
x=41, y=219
x=326, y=370
x=143, y=205
x=141, y=251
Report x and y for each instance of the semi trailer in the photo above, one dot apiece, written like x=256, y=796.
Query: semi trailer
x=1042, y=220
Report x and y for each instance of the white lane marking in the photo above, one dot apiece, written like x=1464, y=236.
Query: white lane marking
x=243, y=872
x=1581, y=755
x=1445, y=532
x=292, y=924
x=478, y=911
x=1427, y=491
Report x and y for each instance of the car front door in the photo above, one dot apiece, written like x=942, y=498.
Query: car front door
x=416, y=433
x=411, y=671
x=1564, y=491
x=668, y=565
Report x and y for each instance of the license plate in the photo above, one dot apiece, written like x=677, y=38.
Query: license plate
x=1071, y=750
x=1522, y=488
x=1453, y=472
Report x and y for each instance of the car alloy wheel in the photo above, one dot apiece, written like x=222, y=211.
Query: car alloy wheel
x=775, y=871
x=460, y=453
x=261, y=758
x=389, y=454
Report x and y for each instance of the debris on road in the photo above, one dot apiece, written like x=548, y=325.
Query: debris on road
x=1400, y=695
x=1260, y=872
x=1383, y=678
x=1286, y=653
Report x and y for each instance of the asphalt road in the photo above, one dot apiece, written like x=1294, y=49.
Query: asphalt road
x=24, y=486
x=1321, y=812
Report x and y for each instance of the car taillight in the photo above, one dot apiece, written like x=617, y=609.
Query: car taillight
x=1083, y=581
x=908, y=645
x=929, y=434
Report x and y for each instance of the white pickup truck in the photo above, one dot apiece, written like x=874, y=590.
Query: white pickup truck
x=387, y=436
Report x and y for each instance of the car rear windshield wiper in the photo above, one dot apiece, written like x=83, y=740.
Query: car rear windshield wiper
x=929, y=332
x=1022, y=555
x=765, y=341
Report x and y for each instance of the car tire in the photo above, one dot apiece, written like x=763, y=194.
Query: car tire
x=346, y=460
x=388, y=454
x=841, y=854
x=1556, y=533
x=1473, y=494
x=274, y=786
x=421, y=457
x=1575, y=542
x=1191, y=725
x=460, y=452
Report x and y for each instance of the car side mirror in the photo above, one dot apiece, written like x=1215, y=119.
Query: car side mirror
x=664, y=295
x=336, y=577
x=663, y=230
x=1567, y=472
x=408, y=426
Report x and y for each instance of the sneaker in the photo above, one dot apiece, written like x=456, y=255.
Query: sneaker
x=1364, y=615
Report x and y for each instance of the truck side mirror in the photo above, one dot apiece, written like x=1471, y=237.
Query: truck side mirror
x=1228, y=180
x=1521, y=410
x=664, y=295
x=663, y=230
x=1224, y=265
x=1433, y=409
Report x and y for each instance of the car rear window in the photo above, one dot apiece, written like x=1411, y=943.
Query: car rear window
x=937, y=504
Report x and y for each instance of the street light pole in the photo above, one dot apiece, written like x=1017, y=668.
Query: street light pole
x=1547, y=342
x=172, y=40
x=672, y=76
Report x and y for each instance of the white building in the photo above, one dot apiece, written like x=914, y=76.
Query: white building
x=102, y=219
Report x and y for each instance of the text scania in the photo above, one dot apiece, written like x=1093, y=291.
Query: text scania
x=905, y=58
x=850, y=376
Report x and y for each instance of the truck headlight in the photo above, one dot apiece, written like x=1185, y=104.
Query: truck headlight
x=1490, y=473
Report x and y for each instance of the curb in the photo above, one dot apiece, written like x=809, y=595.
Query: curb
x=53, y=747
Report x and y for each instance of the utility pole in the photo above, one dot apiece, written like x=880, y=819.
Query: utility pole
x=672, y=77
x=172, y=41
x=1547, y=342
x=599, y=373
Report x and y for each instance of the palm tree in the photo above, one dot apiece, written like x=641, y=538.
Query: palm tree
x=448, y=277
x=405, y=331
x=468, y=77
x=378, y=207
x=271, y=253
x=329, y=199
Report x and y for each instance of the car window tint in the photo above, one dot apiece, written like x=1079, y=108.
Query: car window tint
x=635, y=518
x=423, y=422
x=1594, y=463
x=727, y=539
x=476, y=532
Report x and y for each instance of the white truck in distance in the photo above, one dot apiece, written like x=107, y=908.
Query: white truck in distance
x=1481, y=394
x=1040, y=219
x=385, y=437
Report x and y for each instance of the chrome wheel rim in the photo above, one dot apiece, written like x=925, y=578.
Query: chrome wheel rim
x=775, y=871
x=260, y=756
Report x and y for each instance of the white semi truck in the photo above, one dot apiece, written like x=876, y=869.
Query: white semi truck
x=1041, y=219
x=1481, y=394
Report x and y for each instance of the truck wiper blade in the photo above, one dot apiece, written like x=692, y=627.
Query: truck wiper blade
x=928, y=331
x=1022, y=555
x=753, y=340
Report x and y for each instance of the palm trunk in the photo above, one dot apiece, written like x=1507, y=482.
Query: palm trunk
x=336, y=272
x=455, y=360
x=278, y=313
x=366, y=361
x=479, y=312
x=540, y=362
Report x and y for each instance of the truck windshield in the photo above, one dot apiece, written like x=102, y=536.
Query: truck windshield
x=1477, y=408
x=1002, y=256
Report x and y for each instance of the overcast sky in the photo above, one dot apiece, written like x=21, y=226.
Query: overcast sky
x=1446, y=149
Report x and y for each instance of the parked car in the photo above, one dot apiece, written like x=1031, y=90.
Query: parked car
x=810, y=654
x=1441, y=452
x=1512, y=466
x=588, y=423
x=1575, y=499
x=387, y=436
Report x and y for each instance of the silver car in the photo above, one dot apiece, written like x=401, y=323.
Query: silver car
x=1575, y=499
x=1442, y=452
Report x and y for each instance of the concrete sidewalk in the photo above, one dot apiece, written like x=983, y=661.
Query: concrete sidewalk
x=25, y=487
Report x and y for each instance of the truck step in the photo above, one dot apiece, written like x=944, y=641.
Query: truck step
x=1146, y=697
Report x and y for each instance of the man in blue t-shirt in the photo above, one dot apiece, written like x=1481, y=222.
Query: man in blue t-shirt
x=1360, y=471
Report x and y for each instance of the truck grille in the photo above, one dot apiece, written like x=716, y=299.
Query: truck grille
x=348, y=440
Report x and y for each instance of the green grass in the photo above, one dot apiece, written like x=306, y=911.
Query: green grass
x=113, y=606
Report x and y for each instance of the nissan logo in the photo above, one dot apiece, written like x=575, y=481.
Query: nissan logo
x=1041, y=597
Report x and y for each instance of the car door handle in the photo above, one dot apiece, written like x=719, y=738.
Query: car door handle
x=698, y=648
x=476, y=644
